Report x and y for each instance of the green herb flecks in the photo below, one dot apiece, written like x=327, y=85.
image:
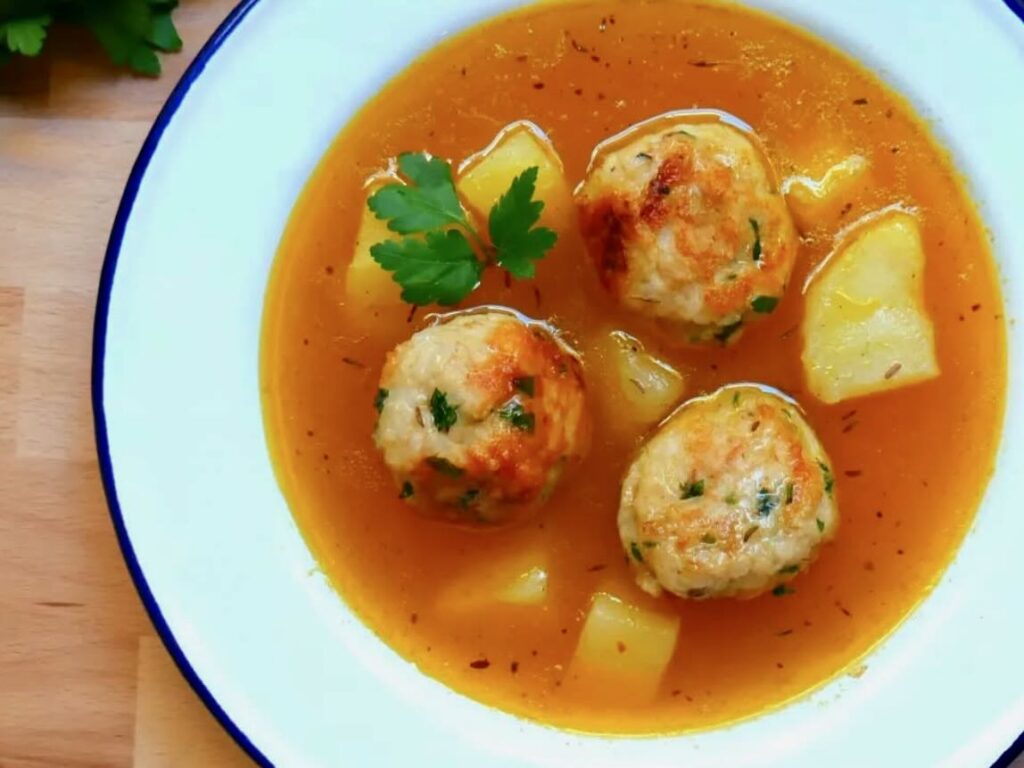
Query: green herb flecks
x=767, y=502
x=782, y=590
x=821, y=525
x=518, y=417
x=708, y=538
x=525, y=384
x=443, y=466
x=467, y=499
x=691, y=490
x=634, y=550
x=764, y=304
x=826, y=473
x=407, y=490
x=380, y=399
x=441, y=257
x=726, y=332
x=790, y=569
x=444, y=413
x=789, y=493
x=757, y=239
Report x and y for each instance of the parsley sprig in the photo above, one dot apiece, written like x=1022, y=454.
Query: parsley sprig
x=441, y=256
x=130, y=31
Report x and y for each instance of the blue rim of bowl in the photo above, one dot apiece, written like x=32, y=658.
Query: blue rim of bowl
x=99, y=343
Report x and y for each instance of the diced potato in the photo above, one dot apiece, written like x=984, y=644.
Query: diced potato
x=519, y=579
x=625, y=647
x=819, y=201
x=640, y=389
x=367, y=285
x=484, y=177
x=866, y=328
x=528, y=588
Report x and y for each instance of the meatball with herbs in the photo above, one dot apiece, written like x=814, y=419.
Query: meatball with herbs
x=479, y=414
x=685, y=223
x=732, y=497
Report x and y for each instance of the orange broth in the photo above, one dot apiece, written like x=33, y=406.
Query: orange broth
x=910, y=465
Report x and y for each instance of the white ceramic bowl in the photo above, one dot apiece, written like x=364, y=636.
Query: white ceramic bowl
x=208, y=537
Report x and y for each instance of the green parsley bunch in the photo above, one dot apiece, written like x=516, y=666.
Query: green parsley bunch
x=130, y=31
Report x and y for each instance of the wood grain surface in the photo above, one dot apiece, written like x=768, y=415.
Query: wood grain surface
x=83, y=681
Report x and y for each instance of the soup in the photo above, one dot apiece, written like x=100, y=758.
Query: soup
x=909, y=464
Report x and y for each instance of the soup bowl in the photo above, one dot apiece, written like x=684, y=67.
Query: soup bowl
x=228, y=581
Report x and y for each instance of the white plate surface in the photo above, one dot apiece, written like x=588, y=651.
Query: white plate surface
x=209, y=538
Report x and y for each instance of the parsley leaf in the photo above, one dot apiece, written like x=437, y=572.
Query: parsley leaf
x=767, y=502
x=511, y=224
x=691, y=490
x=764, y=304
x=123, y=28
x=829, y=478
x=130, y=31
x=444, y=467
x=380, y=399
x=757, y=239
x=635, y=551
x=442, y=257
x=726, y=332
x=407, y=490
x=442, y=268
x=25, y=36
x=467, y=499
x=518, y=417
x=445, y=415
x=525, y=384
x=782, y=590
x=428, y=203
x=162, y=34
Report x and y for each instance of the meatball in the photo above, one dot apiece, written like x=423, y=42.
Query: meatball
x=685, y=223
x=731, y=497
x=479, y=413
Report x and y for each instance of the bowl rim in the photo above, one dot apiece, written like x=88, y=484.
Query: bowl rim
x=109, y=267
x=106, y=281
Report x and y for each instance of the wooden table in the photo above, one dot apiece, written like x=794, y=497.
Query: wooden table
x=83, y=681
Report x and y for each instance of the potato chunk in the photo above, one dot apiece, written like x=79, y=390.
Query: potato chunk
x=519, y=579
x=866, y=328
x=623, y=646
x=528, y=588
x=367, y=285
x=643, y=388
x=818, y=201
x=484, y=177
